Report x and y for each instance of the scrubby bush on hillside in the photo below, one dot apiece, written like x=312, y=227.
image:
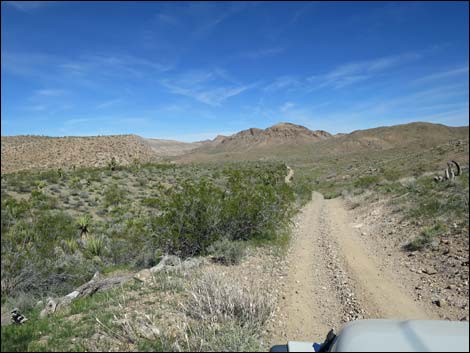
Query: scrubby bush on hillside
x=190, y=219
x=254, y=204
x=182, y=210
x=113, y=195
x=227, y=252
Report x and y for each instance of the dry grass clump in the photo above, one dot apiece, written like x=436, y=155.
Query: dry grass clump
x=216, y=298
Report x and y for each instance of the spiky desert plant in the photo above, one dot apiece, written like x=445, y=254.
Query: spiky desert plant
x=83, y=224
x=112, y=164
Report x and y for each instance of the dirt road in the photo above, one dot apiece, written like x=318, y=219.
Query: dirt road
x=332, y=279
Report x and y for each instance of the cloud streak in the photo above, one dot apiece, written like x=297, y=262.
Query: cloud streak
x=27, y=6
x=461, y=71
x=353, y=72
x=208, y=87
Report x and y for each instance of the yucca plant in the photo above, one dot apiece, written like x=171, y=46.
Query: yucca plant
x=112, y=164
x=83, y=224
x=95, y=246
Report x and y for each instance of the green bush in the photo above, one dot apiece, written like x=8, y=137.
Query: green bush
x=114, y=195
x=227, y=252
x=366, y=181
x=94, y=246
x=253, y=203
x=190, y=219
x=425, y=238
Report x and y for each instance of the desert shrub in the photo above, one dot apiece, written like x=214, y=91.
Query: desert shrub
x=152, y=202
x=83, y=224
x=112, y=164
x=218, y=299
x=75, y=182
x=27, y=264
x=227, y=252
x=41, y=201
x=257, y=204
x=208, y=337
x=114, y=195
x=50, y=176
x=12, y=211
x=302, y=187
x=366, y=181
x=426, y=206
x=94, y=246
x=190, y=219
x=425, y=238
x=254, y=202
x=392, y=174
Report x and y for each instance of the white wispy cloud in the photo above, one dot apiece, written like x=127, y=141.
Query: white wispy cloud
x=113, y=66
x=109, y=103
x=286, y=106
x=353, y=72
x=209, y=87
x=461, y=71
x=29, y=5
x=283, y=83
x=35, y=107
x=50, y=92
x=261, y=53
x=109, y=120
x=168, y=19
x=343, y=75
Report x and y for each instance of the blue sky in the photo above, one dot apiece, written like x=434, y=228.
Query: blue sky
x=190, y=71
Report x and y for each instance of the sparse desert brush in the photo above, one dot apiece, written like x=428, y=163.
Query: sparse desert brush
x=366, y=181
x=407, y=181
x=114, y=195
x=227, y=252
x=217, y=298
x=94, y=245
x=426, y=237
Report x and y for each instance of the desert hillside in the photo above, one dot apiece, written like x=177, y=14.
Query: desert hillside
x=280, y=141
x=254, y=138
x=296, y=142
x=39, y=152
x=171, y=148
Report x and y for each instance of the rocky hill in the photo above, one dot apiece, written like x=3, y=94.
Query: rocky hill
x=279, y=134
x=40, y=152
x=291, y=141
x=284, y=141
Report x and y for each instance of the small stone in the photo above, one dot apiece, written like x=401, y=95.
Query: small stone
x=430, y=271
x=441, y=303
x=143, y=275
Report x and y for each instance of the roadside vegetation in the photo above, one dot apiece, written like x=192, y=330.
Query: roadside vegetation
x=406, y=179
x=60, y=227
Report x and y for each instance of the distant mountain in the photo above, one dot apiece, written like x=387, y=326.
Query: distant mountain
x=289, y=141
x=171, y=148
x=279, y=134
x=284, y=141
